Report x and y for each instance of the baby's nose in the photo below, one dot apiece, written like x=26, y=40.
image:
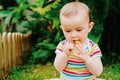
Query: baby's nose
x=74, y=34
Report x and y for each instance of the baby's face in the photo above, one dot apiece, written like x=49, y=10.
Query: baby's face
x=76, y=29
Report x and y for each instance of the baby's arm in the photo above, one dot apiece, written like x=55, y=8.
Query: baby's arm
x=60, y=61
x=62, y=58
x=94, y=65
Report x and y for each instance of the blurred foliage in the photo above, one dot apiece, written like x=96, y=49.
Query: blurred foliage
x=41, y=17
x=110, y=40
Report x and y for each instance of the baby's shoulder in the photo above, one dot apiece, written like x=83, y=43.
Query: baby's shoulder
x=62, y=42
x=91, y=42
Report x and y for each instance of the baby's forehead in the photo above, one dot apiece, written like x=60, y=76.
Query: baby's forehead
x=74, y=7
x=72, y=19
x=67, y=27
x=74, y=4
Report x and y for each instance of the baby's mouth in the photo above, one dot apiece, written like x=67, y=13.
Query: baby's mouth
x=76, y=41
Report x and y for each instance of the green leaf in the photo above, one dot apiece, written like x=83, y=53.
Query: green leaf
x=35, y=15
x=46, y=45
x=24, y=6
x=25, y=24
x=7, y=19
x=15, y=19
x=0, y=29
x=55, y=4
x=4, y=13
x=41, y=53
x=54, y=16
x=57, y=37
x=56, y=22
x=21, y=1
x=65, y=1
x=40, y=3
x=11, y=8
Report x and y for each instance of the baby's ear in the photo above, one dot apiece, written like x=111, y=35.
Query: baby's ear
x=60, y=26
x=91, y=24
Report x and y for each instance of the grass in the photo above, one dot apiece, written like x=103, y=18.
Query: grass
x=36, y=72
x=41, y=72
x=111, y=72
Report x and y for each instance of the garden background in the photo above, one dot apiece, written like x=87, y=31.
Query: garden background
x=41, y=19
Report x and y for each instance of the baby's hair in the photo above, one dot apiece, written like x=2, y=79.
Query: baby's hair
x=71, y=9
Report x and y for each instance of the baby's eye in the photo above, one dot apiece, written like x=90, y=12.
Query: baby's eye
x=79, y=30
x=67, y=31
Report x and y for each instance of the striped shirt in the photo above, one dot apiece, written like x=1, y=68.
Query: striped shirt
x=76, y=69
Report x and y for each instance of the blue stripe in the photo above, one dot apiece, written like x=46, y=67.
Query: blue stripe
x=74, y=75
x=76, y=65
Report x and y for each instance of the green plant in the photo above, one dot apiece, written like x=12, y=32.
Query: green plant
x=42, y=19
x=14, y=15
x=110, y=41
x=45, y=46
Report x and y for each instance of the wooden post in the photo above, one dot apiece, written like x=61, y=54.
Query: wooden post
x=21, y=43
x=18, y=48
x=1, y=57
x=5, y=53
x=13, y=50
x=10, y=50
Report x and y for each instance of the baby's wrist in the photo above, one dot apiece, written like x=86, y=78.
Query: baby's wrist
x=88, y=60
x=64, y=55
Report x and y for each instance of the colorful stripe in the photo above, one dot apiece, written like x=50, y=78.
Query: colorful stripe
x=76, y=75
x=76, y=69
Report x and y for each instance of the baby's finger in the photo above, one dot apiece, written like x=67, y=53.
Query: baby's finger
x=78, y=46
x=69, y=45
x=80, y=49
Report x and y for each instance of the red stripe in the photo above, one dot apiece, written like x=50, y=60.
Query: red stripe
x=95, y=52
x=59, y=49
x=82, y=73
x=74, y=61
x=91, y=43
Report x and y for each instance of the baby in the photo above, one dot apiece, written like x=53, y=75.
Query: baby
x=77, y=57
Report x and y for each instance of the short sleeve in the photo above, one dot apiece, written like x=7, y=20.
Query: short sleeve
x=95, y=51
x=60, y=48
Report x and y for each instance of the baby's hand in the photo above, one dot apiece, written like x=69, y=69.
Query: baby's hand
x=68, y=47
x=80, y=52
